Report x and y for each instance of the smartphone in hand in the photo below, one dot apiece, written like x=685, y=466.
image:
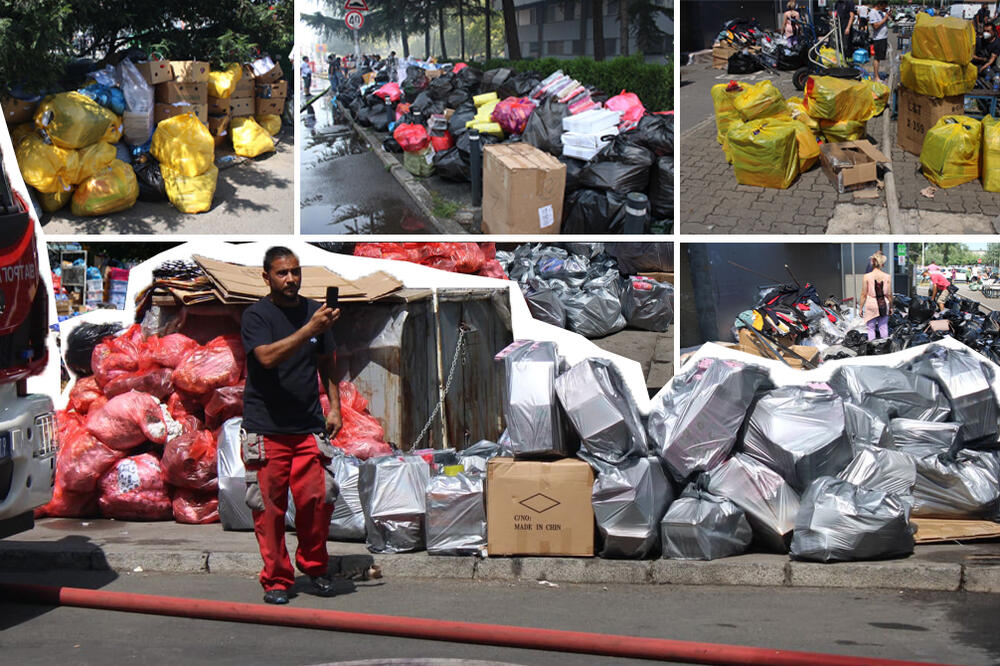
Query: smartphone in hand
x=332, y=294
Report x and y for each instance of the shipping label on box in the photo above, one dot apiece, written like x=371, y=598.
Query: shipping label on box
x=190, y=71
x=539, y=508
x=241, y=106
x=155, y=71
x=175, y=91
x=268, y=106
x=918, y=113
x=523, y=190
x=163, y=111
x=851, y=165
x=276, y=90
x=218, y=106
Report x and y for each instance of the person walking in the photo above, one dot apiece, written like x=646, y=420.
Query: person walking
x=336, y=72
x=285, y=438
x=874, y=303
x=789, y=20
x=878, y=19
x=306, y=70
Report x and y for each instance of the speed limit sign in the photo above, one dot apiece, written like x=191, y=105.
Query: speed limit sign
x=354, y=20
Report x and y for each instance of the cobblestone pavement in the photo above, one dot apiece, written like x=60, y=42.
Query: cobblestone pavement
x=712, y=202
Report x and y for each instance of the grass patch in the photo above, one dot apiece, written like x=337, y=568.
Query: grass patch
x=442, y=207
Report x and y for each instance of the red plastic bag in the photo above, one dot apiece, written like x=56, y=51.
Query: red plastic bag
x=156, y=381
x=443, y=142
x=68, y=504
x=630, y=106
x=195, y=508
x=83, y=394
x=225, y=403
x=360, y=434
x=189, y=461
x=458, y=67
x=169, y=350
x=128, y=420
x=181, y=405
x=456, y=257
x=395, y=251
x=217, y=364
x=410, y=137
x=493, y=269
x=401, y=110
x=489, y=250
x=134, y=490
x=512, y=114
x=117, y=356
x=82, y=459
x=390, y=90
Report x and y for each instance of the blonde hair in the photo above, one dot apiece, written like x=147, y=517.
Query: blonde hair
x=878, y=259
x=791, y=4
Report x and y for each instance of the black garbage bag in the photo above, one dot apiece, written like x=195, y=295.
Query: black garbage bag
x=462, y=143
x=857, y=341
x=656, y=133
x=545, y=303
x=494, y=78
x=740, y=63
x=80, y=345
x=380, y=119
x=457, y=98
x=414, y=83
x=382, y=76
x=622, y=166
x=544, y=128
x=878, y=347
x=921, y=310
x=661, y=188
x=917, y=339
x=149, y=178
x=364, y=117
x=648, y=305
x=355, y=106
x=587, y=211
x=422, y=103
x=390, y=145
x=469, y=79
x=440, y=88
x=632, y=258
x=573, y=169
x=463, y=114
x=900, y=302
x=355, y=80
x=450, y=165
x=519, y=85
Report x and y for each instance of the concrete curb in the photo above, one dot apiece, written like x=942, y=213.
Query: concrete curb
x=756, y=570
x=891, y=195
x=421, y=195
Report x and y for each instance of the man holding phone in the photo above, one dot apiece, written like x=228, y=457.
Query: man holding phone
x=286, y=439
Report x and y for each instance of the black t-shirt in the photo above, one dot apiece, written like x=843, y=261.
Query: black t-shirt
x=844, y=10
x=284, y=399
x=984, y=48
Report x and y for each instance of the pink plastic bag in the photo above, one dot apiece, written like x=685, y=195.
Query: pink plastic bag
x=195, y=508
x=225, y=403
x=630, y=106
x=390, y=90
x=155, y=381
x=69, y=504
x=493, y=269
x=169, y=350
x=128, y=420
x=411, y=137
x=82, y=459
x=134, y=490
x=117, y=356
x=189, y=461
x=360, y=434
x=84, y=393
x=512, y=114
x=217, y=364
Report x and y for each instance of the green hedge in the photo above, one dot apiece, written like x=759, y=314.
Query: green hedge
x=653, y=83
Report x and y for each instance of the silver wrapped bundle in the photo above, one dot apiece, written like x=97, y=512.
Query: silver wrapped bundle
x=474, y=458
x=456, y=515
x=348, y=520
x=960, y=374
x=629, y=501
x=695, y=422
x=648, y=305
x=234, y=514
x=969, y=487
x=890, y=392
x=882, y=469
x=598, y=404
x=799, y=433
x=770, y=503
x=534, y=420
x=838, y=522
x=595, y=310
x=393, y=497
x=865, y=429
x=545, y=303
x=923, y=438
x=703, y=526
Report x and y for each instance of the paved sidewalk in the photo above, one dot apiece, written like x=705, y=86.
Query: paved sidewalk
x=168, y=547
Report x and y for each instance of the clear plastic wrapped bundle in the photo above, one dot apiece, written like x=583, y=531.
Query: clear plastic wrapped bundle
x=393, y=497
x=703, y=526
x=348, y=520
x=456, y=514
x=534, y=420
x=890, y=392
x=629, y=501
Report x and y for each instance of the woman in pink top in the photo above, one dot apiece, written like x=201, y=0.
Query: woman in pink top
x=876, y=298
x=788, y=27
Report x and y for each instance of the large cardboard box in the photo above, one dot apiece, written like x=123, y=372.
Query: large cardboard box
x=851, y=165
x=811, y=354
x=277, y=90
x=918, y=113
x=175, y=91
x=720, y=55
x=155, y=71
x=163, y=111
x=244, y=87
x=523, y=190
x=16, y=111
x=539, y=508
x=190, y=71
x=241, y=106
x=273, y=106
x=218, y=106
x=218, y=126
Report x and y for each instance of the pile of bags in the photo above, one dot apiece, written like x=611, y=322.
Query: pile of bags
x=770, y=140
x=940, y=62
x=468, y=258
x=185, y=152
x=960, y=149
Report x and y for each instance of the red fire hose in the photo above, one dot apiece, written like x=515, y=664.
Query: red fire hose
x=425, y=629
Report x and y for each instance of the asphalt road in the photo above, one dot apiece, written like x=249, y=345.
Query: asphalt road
x=939, y=627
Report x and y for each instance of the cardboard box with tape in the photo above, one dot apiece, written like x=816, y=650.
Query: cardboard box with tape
x=155, y=71
x=523, y=190
x=852, y=165
x=190, y=71
x=175, y=91
x=241, y=106
x=268, y=106
x=539, y=508
x=218, y=106
x=918, y=113
x=163, y=111
x=276, y=90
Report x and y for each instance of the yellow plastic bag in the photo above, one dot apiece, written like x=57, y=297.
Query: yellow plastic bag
x=726, y=115
x=112, y=189
x=880, y=96
x=223, y=84
x=830, y=98
x=808, y=147
x=485, y=98
x=50, y=203
x=950, y=155
x=92, y=160
x=249, y=138
x=829, y=57
x=184, y=144
x=47, y=168
x=765, y=152
x=491, y=128
x=190, y=194
x=839, y=131
x=72, y=120
x=21, y=131
x=761, y=100
x=797, y=111
x=991, y=154
x=270, y=122
x=936, y=78
x=945, y=38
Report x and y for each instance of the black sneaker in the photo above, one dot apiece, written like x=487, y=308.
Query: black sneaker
x=276, y=597
x=323, y=585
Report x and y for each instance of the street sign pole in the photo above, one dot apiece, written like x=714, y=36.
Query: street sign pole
x=357, y=48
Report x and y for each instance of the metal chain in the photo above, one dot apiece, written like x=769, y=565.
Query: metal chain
x=459, y=354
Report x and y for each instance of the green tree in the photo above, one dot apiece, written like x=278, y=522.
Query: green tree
x=643, y=15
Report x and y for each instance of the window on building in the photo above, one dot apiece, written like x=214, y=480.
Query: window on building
x=554, y=13
x=611, y=7
x=579, y=47
x=524, y=17
x=569, y=11
x=555, y=48
x=610, y=46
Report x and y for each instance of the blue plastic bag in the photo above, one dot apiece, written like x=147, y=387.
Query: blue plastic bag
x=109, y=98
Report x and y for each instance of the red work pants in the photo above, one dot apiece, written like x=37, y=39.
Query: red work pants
x=292, y=460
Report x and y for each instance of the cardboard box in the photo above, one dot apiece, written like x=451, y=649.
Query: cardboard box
x=218, y=106
x=245, y=86
x=163, y=111
x=272, y=75
x=918, y=113
x=155, y=71
x=523, y=190
x=272, y=106
x=433, y=73
x=658, y=276
x=175, y=91
x=851, y=165
x=747, y=346
x=539, y=508
x=276, y=90
x=219, y=125
x=241, y=106
x=721, y=54
x=16, y=111
x=190, y=71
